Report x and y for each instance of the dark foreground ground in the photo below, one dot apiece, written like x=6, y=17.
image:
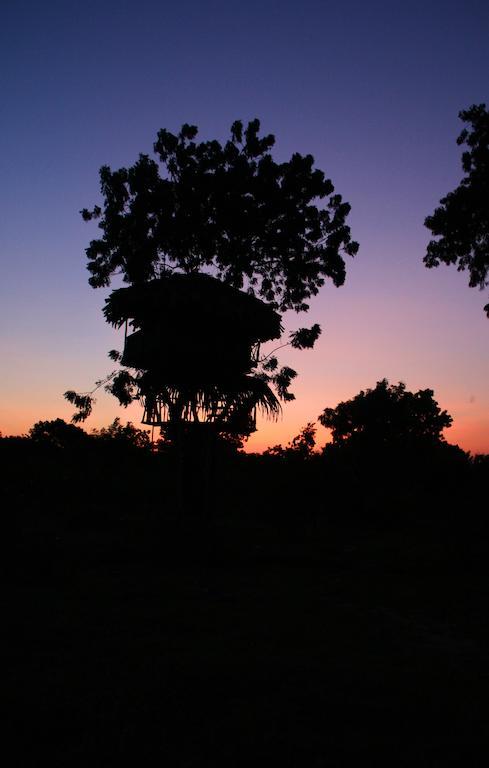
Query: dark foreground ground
x=237, y=635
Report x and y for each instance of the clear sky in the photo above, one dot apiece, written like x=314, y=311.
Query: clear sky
x=371, y=89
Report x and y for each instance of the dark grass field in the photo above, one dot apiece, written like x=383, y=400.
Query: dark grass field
x=145, y=634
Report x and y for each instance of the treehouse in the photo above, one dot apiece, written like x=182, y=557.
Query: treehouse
x=195, y=343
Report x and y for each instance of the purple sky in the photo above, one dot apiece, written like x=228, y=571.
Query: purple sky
x=372, y=90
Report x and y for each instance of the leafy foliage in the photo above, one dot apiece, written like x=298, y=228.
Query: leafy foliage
x=282, y=381
x=461, y=223
x=124, y=387
x=304, y=443
x=305, y=338
x=300, y=447
x=387, y=414
x=230, y=207
x=82, y=402
x=126, y=435
x=57, y=433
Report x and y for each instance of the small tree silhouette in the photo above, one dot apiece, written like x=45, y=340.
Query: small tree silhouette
x=124, y=435
x=300, y=447
x=461, y=223
x=58, y=434
x=388, y=415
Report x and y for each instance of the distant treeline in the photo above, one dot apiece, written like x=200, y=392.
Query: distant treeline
x=62, y=477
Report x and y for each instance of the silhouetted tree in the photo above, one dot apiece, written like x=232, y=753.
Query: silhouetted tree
x=461, y=223
x=301, y=446
x=228, y=209
x=385, y=416
x=58, y=433
x=124, y=435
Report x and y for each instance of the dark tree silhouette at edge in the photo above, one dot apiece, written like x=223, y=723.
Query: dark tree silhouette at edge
x=461, y=223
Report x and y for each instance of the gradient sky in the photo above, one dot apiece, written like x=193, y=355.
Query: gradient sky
x=372, y=90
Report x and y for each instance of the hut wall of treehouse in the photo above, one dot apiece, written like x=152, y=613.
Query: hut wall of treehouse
x=196, y=341
x=194, y=358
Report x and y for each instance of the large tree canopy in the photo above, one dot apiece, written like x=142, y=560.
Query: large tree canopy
x=228, y=208
x=253, y=225
x=461, y=222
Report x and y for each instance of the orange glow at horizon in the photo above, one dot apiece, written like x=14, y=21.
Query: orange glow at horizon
x=469, y=430
x=422, y=327
x=378, y=112
x=470, y=435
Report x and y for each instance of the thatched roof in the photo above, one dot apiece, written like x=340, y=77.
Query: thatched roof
x=198, y=302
